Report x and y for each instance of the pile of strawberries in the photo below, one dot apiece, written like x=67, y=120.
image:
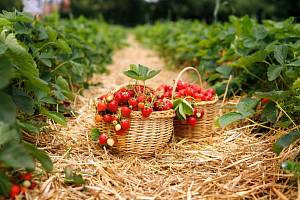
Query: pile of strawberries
x=21, y=184
x=115, y=108
x=190, y=92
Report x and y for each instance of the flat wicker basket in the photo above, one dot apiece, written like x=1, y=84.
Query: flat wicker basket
x=146, y=135
x=204, y=127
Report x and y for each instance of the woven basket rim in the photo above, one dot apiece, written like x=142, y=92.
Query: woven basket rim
x=216, y=99
x=155, y=114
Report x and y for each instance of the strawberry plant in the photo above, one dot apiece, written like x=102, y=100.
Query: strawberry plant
x=41, y=65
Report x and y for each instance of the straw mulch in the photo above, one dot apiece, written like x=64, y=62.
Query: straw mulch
x=234, y=164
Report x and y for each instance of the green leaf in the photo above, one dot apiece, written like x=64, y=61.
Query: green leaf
x=55, y=116
x=260, y=32
x=63, y=46
x=246, y=61
x=176, y=102
x=270, y=113
x=291, y=167
x=280, y=53
x=181, y=112
x=23, y=60
x=73, y=178
x=296, y=83
x=131, y=74
x=29, y=127
x=52, y=34
x=152, y=73
x=142, y=70
x=62, y=83
x=8, y=133
x=229, y=118
x=24, y=103
x=295, y=63
x=247, y=106
x=224, y=70
x=5, y=184
x=274, y=95
x=274, y=72
x=7, y=109
x=14, y=154
x=4, y=22
x=6, y=71
x=41, y=156
x=95, y=134
x=3, y=48
x=187, y=107
x=285, y=141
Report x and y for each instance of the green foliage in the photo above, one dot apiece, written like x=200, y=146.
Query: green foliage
x=182, y=108
x=140, y=72
x=263, y=59
x=285, y=141
x=42, y=65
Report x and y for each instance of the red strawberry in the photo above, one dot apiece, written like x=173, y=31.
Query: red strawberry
x=188, y=91
x=14, y=191
x=32, y=185
x=125, y=111
x=118, y=97
x=107, y=118
x=141, y=105
x=114, y=119
x=113, y=106
x=139, y=89
x=103, y=139
x=211, y=91
x=191, y=121
x=197, y=96
x=167, y=94
x=169, y=104
x=265, y=100
x=181, y=85
x=27, y=176
x=131, y=92
x=121, y=132
x=158, y=104
x=133, y=102
x=141, y=98
x=146, y=112
x=125, y=96
x=135, y=108
x=125, y=124
x=101, y=106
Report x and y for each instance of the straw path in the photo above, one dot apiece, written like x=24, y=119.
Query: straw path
x=235, y=164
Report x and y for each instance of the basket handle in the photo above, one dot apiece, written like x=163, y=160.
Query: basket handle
x=179, y=76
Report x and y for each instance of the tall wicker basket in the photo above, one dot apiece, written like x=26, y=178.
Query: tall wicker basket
x=146, y=135
x=204, y=127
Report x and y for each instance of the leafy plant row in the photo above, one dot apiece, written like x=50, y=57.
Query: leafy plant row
x=261, y=60
x=42, y=65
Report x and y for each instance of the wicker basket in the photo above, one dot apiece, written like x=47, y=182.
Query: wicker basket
x=146, y=135
x=204, y=127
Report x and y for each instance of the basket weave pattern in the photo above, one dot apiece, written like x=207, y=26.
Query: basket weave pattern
x=146, y=135
x=204, y=127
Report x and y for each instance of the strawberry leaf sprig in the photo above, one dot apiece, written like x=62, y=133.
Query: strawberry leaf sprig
x=140, y=72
